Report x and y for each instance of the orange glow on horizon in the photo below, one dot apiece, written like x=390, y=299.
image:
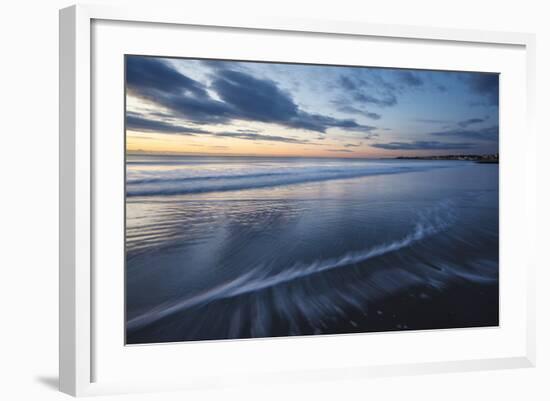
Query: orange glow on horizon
x=137, y=142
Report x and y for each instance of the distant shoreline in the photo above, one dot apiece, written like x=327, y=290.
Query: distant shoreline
x=488, y=159
x=485, y=159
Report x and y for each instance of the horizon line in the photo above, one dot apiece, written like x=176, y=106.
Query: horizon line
x=144, y=153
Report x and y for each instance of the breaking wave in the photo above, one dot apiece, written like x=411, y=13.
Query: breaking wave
x=232, y=181
x=429, y=223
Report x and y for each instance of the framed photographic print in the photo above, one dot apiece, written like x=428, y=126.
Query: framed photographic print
x=235, y=195
x=269, y=199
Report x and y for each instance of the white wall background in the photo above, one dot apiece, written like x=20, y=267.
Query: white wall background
x=29, y=185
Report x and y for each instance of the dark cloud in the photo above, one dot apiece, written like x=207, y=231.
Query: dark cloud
x=385, y=101
x=352, y=145
x=349, y=83
x=160, y=114
x=248, y=131
x=370, y=136
x=199, y=110
x=150, y=74
x=140, y=123
x=136, y=122
x=355, y=110
x=470, y=121
x=374, y=116
x=156, y=81
x=370, y=87
x=483, y=134
x=422, y=145
x=261, y=100
x=320, y=123
x=253, y=98
x=259, y=137
x=409, y=78
x=485, y=85
x=242, y=97
x=382, y=94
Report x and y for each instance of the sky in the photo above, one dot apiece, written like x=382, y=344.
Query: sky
x=217, y=107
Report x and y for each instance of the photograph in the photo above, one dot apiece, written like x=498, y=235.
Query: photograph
x=277, y=199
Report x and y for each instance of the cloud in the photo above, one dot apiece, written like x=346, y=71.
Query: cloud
x=431, y=121
x=386, y=101
x=223, y=65
x=486, y=85
x=320, y=123
x=483, y=134
x=376, y=87
x=422, y=145
x=340, y=150
x=150, y=74
x=154, y=80
x=261, y=100
x=355, y=110
x=241, y=97
x=409, y=78
x=470, y=121
x=370, y=136
x=352, y=145
x=136, y=122
x=259, y=137
x=348, y=83
x=254, y=98
x=380, y=93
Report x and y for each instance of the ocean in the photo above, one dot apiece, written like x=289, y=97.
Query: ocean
x=245, y=247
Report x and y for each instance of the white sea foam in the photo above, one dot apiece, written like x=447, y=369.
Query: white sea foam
x=430, y=222
x=146, y=181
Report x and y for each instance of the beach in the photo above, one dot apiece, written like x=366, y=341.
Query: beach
x=246, y=247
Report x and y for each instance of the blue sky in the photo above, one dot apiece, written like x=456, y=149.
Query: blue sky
x=187, y=106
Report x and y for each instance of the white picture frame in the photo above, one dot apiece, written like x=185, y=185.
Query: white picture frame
x=78, y=279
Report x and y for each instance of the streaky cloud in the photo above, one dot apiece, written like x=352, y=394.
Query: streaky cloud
x=431, y=121
x=410, y=79
x=151, y=74
x=356, y=110
x=482, y=134
x=260, y=137
x=422, y=145
x=241, y=97
x=357, y=87
x=386, y=101
x=470, y=121
x=135, y=122
x=139, y=123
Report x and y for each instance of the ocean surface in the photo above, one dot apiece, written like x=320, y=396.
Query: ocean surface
x=240, y=247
